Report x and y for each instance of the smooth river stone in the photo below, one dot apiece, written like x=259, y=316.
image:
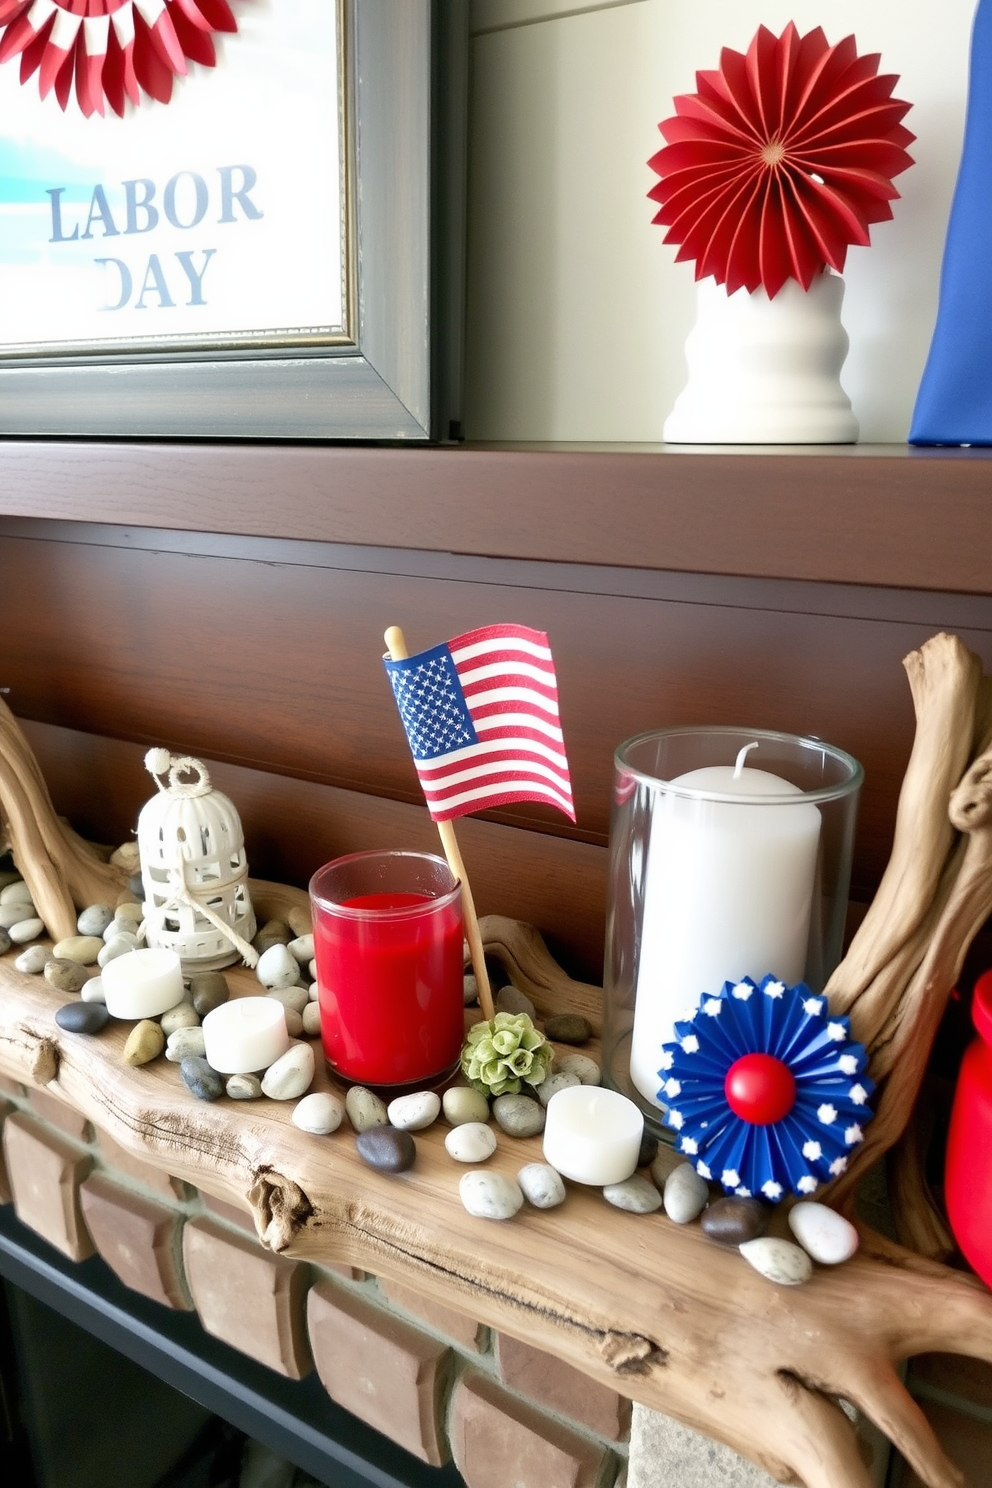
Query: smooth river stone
x=273, y=932
x=183, y=1015
x=244, y=1087
x=365, y=1109
x=823, y=1233
x=414, y=1112
x=13, y=914
x=543, y=1186
x=510, y=999
x=586, y=1070
x=32, y=961
x=319, y=1113
x=293, y=998
x=82, y=1017
x=302, y=949
x=470, y=989
x=778, y=1260
x=185, y=1043
x=94, y=919
x=519, y=1115
x=277, y=968
x=5, y=942
x=568, y=1028
x=145, y=1042
x=200, y=1080
x=637, y=1195
x=291, y=1075
x=16, y=893
x=300, y=920
x=64, y=975
x=648, y=1150
x=472, y=1142
x=733, y=1221
x=294, y=1022
x=461, y=1103
x=81, y=948
x=119, y=946
x=490, y=1195
x=553, y=1083
x=92, y=991
x=686, y=1194
x=26, y=930
x=310, y=1019
x=208, y=990
x=386, y=1149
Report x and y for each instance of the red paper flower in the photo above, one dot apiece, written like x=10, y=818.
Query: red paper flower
x=780, y=161
x=111, y=49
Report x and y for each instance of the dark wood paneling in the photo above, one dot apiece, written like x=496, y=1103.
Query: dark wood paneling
x=868, y=515
x=291, y=827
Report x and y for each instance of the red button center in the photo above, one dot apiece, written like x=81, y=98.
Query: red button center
x=760, y=1089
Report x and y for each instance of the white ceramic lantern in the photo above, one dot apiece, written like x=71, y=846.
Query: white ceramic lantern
x=193, y=867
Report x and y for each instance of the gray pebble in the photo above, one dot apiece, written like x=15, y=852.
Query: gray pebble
x=414, y=1112
x=472, y=1142
x=470, y=989
x=94, y=919
x=553, y=1084
x=119, y=927
x=92, y=991
x=81, y=948
x=319, y=1113
x=568, y=1028
x=510, y=999
x=299, y=920
x=295, y=997
x=5, y=942
x=461, y=1103
x=302, y=949
x=32, y=961
x=183, y=1015
x=519, y=1115
x=13, y=914
x=129, y=914
x=16, y=892
x=291, y=1075
x=200, y=1080
x=184, y=1043
x=64, y=975
x=135, y=885
x=648, y=1150
x=294, y=1022
x=26, y=930
x=586, y=1070
x=313, y=991
x=386, y=1149
x=542, y=1185
x=310, y=1019
x=244, y=1087
x=637, y=1195
x=365, y=1109
x=277, y=968
x=121, y=945
x=82, y=1017
x=686, y=1194
x=208, y=990
x=273, y=932
x=490, y=1195
x=778, y=1260
x=145, y=1042
x=734, y=1221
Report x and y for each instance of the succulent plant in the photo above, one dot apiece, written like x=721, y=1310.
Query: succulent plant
x=499, y=1056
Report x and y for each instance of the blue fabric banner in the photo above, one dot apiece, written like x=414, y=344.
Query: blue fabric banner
x=954, y=403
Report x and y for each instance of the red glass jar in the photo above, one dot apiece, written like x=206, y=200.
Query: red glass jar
x=968, y=1172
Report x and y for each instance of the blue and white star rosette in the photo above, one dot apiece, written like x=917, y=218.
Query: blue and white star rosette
x=810, y=1144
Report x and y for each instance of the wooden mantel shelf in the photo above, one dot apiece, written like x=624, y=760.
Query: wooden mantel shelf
x=884, y=515
x=652, y=1309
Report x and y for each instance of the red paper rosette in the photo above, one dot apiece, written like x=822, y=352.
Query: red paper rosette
x=780, y=161
x=110, y=50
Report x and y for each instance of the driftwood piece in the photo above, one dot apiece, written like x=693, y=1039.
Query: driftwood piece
x=647, y=1307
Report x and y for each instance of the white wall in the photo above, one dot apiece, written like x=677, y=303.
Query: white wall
x=577, y=312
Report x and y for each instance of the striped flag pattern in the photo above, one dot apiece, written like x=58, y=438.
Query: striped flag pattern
x=481, y=718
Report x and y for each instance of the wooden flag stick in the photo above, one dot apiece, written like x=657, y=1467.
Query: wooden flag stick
x=397, y=648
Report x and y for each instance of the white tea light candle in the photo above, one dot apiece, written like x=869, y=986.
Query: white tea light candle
x=592, y=1135
x=245, y=1035
x=728, y=892
x=142, y=983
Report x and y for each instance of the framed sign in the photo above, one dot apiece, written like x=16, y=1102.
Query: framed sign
x=218, y=218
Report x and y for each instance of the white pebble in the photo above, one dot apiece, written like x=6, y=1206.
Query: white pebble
x=25, y=930
x=635, y=1194
x=185, y=1043
x=320, y=1113
x=823, y=1233
x=121, y=945
x=586, y=1070
x=291, y=1075
x=311, y=1020
x=313, y=992
x=471, y=1142
x=129, y=913
x=542, y=1185
x=94, y=919
x=686, y=1194
x=119, y=927
x=277, y=968
x=414, y=1112
x=554, y=1083
x=778, y=1260
x=489, y=1195
x=13, y=914
x=92, y=991
x=16, y=893
x=32, y=961
x=302, y=949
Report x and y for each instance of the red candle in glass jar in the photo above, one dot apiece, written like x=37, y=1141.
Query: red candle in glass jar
x=388, y=941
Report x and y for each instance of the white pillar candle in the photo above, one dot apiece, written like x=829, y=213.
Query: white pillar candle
x=592, y=1135
x=728, y=893
x=245, y=1035
x=142, y=983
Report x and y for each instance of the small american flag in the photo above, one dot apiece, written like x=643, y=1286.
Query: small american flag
x=481, y=719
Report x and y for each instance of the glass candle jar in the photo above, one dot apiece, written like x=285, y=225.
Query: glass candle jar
x=730, y=856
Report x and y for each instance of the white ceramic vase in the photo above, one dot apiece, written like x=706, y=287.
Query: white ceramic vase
x=765, y=371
